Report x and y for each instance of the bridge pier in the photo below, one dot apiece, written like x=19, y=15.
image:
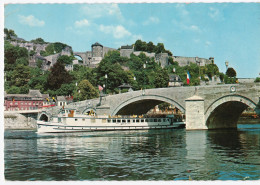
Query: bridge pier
x=195, y=118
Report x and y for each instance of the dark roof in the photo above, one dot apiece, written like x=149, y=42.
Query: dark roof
x=97, y=44
x=127, y=47
x=35, y=93
x=172, y=78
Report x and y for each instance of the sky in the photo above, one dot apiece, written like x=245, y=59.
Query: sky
x=226, y=31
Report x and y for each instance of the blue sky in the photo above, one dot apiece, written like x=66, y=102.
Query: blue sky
x=226, y=31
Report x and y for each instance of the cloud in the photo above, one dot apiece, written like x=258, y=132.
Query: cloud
x=193, y=28
x=215, y=14
x=181, y=8
x=151, y=20
x=82, y=23
x=183, y=26
x=101, y=10
x=30, y=20
x=118, y=31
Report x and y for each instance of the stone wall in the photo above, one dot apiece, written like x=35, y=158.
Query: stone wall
x=126, y=52
x=106, y=50
x=19, y=121
x=183, y=61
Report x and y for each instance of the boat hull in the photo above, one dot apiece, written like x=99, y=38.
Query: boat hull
x=48, y=127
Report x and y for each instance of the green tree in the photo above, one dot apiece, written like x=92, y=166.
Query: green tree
x=65, y=59
x=9, y=33
x=231, y=72
x=86, y=91
x=20, y=76
x=116, y=75
x=12, y=53
x=150, y=47
x=257, y=79
x=38, y=41
x=161, y=79
x=58, y=76
x=84, y=73
x=160, y=48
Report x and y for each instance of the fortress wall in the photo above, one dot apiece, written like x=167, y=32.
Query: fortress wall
x=183, y=61
x=126, y=52
x=106, y=50
x=146, y=54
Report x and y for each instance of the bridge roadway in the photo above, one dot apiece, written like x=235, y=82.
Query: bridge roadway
x=205, y=107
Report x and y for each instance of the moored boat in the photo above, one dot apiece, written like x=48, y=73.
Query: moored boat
x=68, y=120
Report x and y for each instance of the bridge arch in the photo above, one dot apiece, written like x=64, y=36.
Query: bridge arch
x=142, y=104
x=225, y=111
x=43, y=116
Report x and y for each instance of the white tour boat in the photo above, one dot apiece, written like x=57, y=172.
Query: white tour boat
x=68, y=120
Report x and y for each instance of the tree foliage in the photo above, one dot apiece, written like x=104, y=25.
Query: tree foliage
x=38, y=41
x=64, y=59
x=231, y=72
x=86, y=91
x=9, y=33
x=150, y=47
x=58, y=76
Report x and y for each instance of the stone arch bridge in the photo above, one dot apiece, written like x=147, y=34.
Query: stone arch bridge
x=205, y=107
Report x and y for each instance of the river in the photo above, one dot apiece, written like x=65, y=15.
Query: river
x=134, y=155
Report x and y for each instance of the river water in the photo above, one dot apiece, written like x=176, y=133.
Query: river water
x=134, y=155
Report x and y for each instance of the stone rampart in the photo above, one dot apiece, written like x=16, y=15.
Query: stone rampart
x=19, y=121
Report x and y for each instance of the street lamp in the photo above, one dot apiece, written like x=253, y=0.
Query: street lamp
x=199, y=66
x=106, y=84
x=144, y=74
x=226, y=63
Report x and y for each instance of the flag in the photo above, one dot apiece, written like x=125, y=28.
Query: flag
x=188, y=77
x=100, y=88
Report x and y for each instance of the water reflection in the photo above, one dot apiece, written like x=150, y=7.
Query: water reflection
x=133, y=155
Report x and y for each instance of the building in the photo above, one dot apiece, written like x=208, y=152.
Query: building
x=32, y=101
x=126, y=51
x=63, y=100
x=175, y=81
x=126, y=87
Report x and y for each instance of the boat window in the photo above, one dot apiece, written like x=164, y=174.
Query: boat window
x=146, y=120
x=164, y=120
x=76, y=119
x=109, y=120
x=83, y=119
x=128, y=121
x=59, y=120
x=142, y=120
x=114, y=120
x=155, y=120
x=123, y=120
x=119, y=121
x=159, y=120
x=137, y=120
x=104, y=120
x=133, y=121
